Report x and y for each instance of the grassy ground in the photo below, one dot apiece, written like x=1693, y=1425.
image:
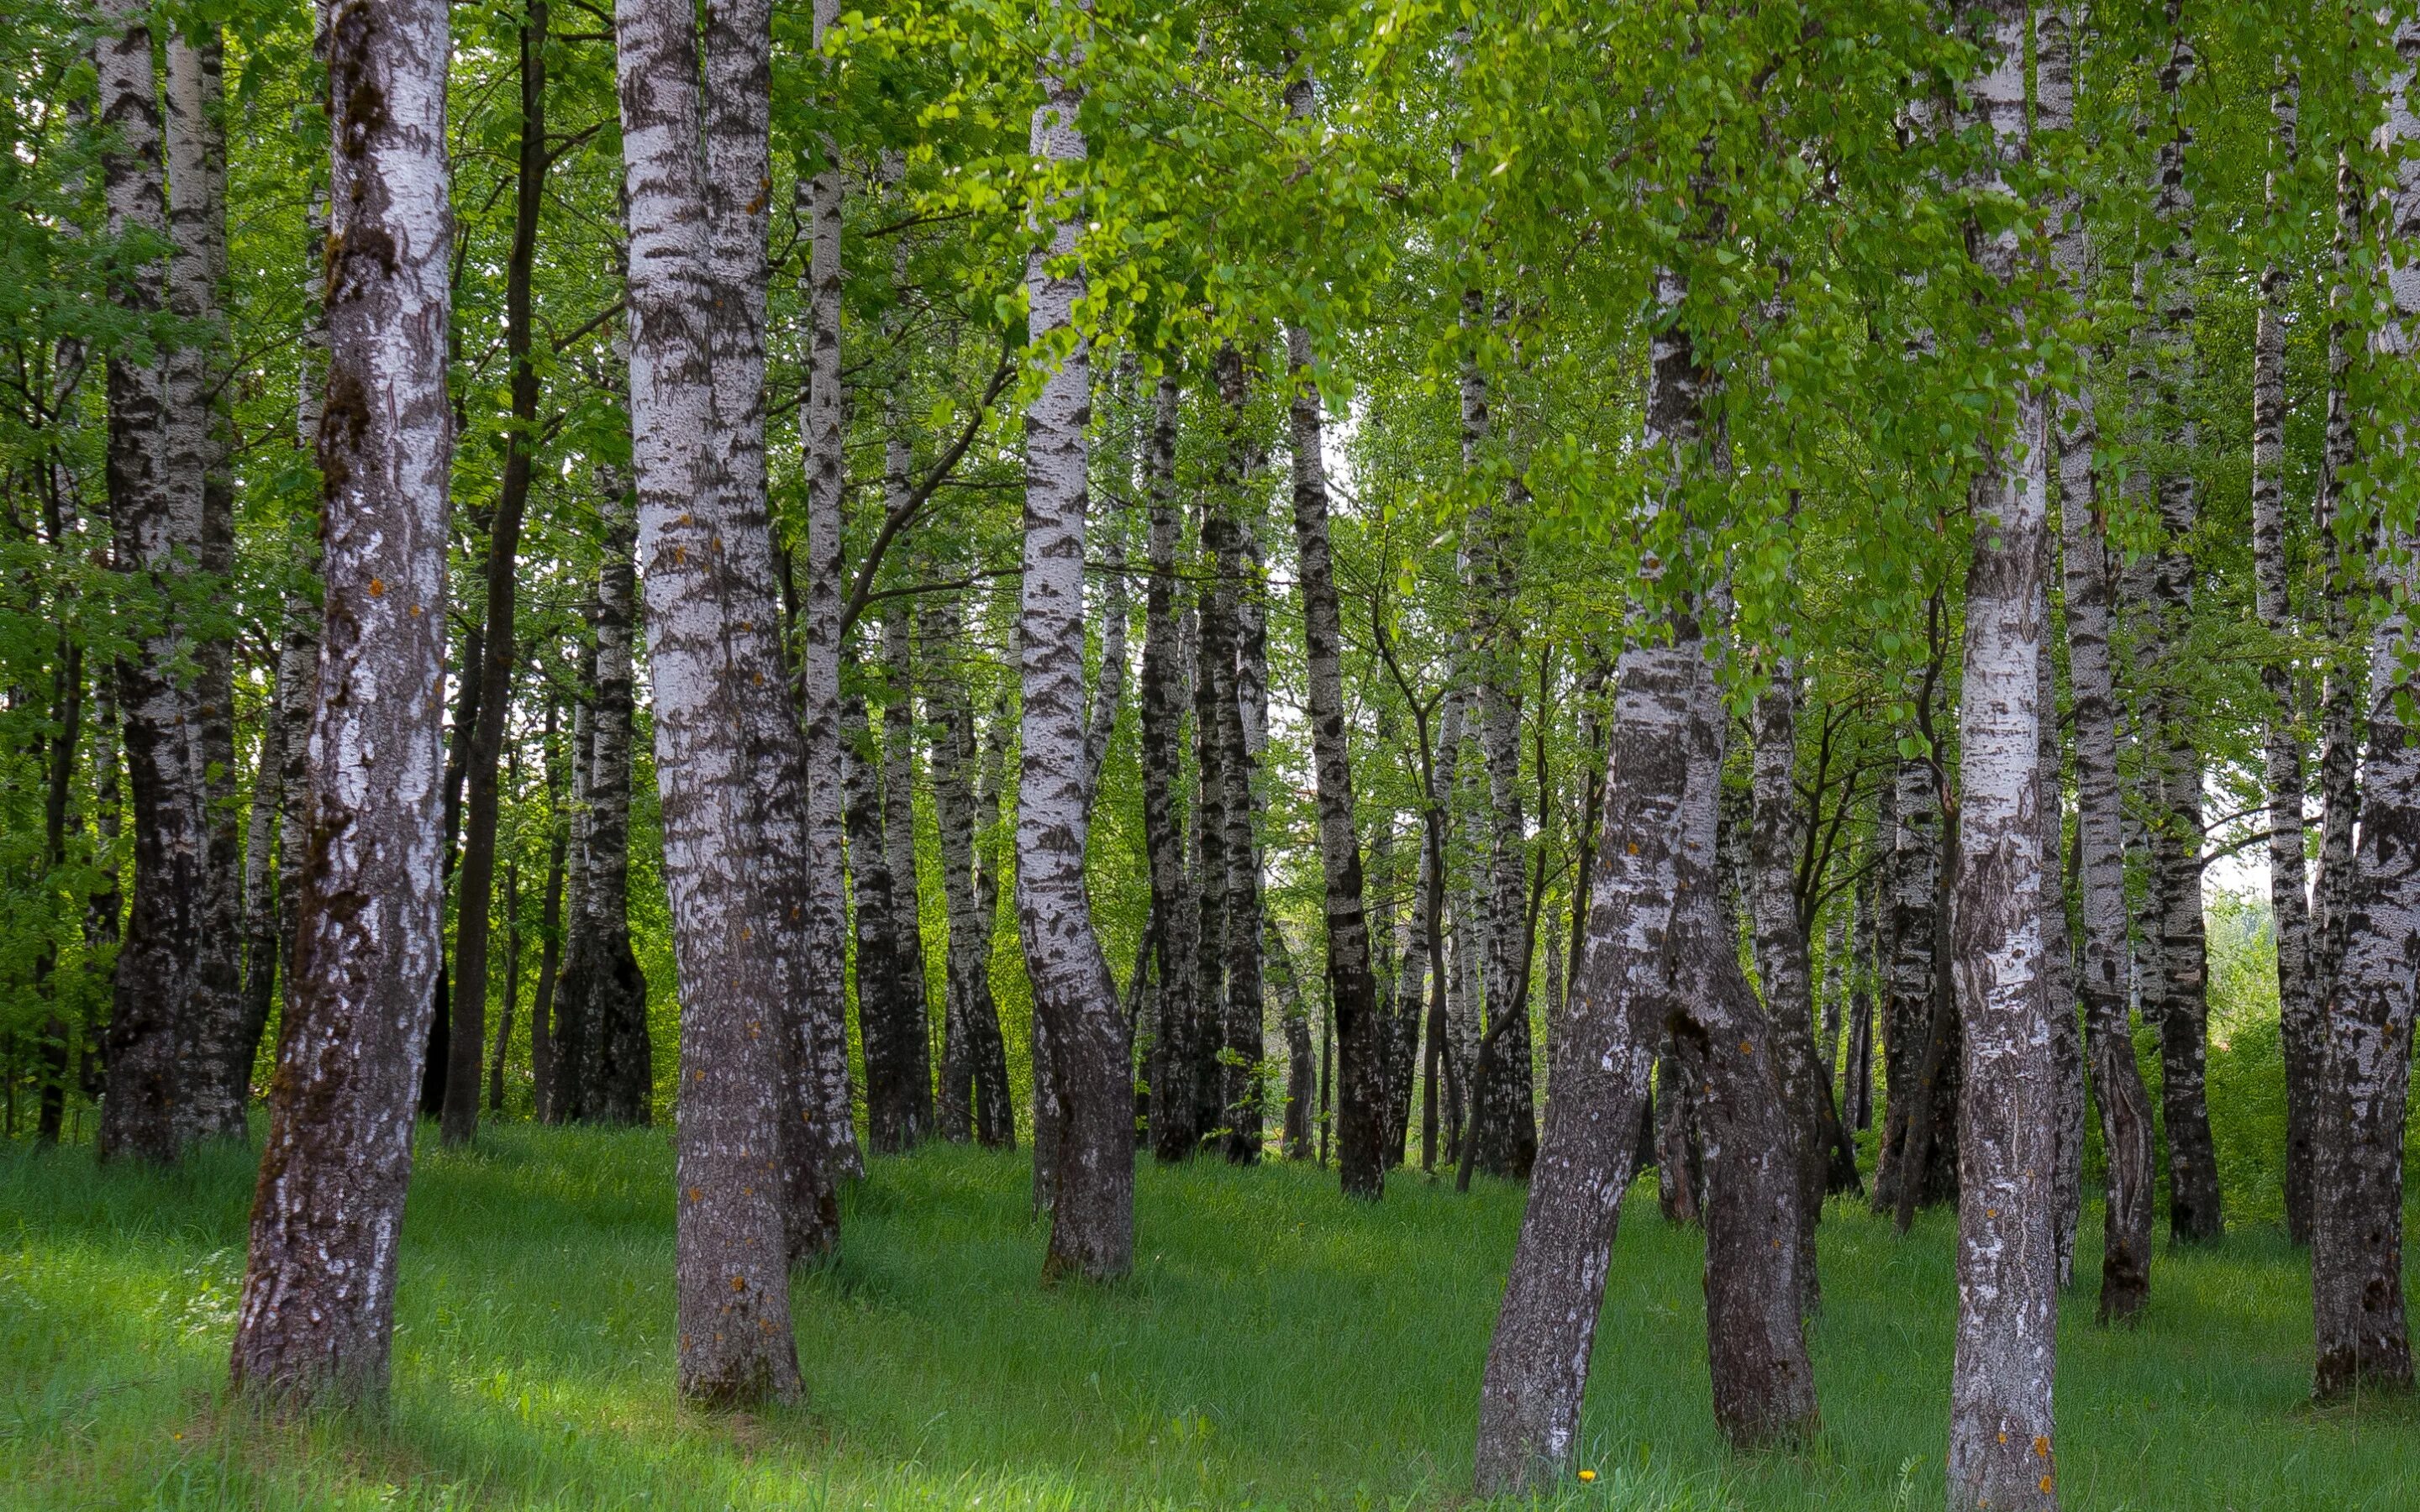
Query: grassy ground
x=1276, y=1348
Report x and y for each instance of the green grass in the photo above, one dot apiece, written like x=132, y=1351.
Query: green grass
x=1276, y=1347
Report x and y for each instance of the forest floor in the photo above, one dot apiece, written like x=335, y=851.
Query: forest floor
x=1276, y=1347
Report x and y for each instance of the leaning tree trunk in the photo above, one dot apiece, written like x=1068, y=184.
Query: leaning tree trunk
x=219, y=1054
x=820, y=1047
x=318, y=1292
x=2126, y=1136
x=1656, y=954
x=155, y=510
x=2357, y=1191
x=1775, y=836
x=476, y=888
x=2298, y=1020
x=2000, y=1412
x=603, y=989
x=1092, y=1212
x=728, y=763
x=1173, y=1131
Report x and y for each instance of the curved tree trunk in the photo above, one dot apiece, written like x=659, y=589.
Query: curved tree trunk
x=319, y=1290
x=1656, y=954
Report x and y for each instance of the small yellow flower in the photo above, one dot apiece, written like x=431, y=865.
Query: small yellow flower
x=1587, y=1474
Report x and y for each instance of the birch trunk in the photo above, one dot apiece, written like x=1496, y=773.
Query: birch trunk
x=995, y=1112
x=2333, y=522
x=262, y=936
x=219, y=1053
x=1092, y=1215
x=2364, y=1340
x=155, y=511
x=728, y=765
x=1242, y=1011
x=821, y=1047
x=1351, y=988
x=549, y=958
x=2126, y=1136
x=1173, y=1131
x=1775, y=836
x=602, y=988
x=880, y=1022
x=1910, y=974
x=574, y=1038
x=1214, y=691
x=2001, y=1417
x=318, y=1291
x=951, y=714
x=899, y=843
x=1656, y=954
x=1857, y=1076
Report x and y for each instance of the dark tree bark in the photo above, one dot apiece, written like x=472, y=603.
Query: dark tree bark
x=1092, y=1213
x=995, y=1111
x=512, y=986
x=155, y=512
x=318, y=1292
x=1214, y=689
x=1295, y=1137
x=1351, y=989
x=549, y=957
x=1911, y=987
x=729, y=766
x=435, y=1063
x=475, y=896
x=892, y=1044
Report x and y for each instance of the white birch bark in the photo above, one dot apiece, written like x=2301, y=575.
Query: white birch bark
x=318, y=1291
x=1092, y=1215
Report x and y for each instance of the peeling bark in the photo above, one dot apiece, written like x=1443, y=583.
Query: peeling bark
x=318, y=1291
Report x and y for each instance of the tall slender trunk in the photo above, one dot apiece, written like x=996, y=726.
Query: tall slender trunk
x=1240, y=1018
x=2334, y=517
x=1351, y=988
x=549, y=957
x=1173, y=1131
x=882, y=1027
x=1214, y=691
x=476, y=887
x=1656, y=955
x=574, y=1037
x=2059, y=946
x=219, y=1054
x=2298, y=1020
x=2357, y=1190
x=435, y=1061
x=1910, y=974
x=1092, y=1213
x=2126, y=1138
x=2170, y=745
x=603, y=989
x=1857, y=1076
x=1302, y=1061
x=1775, y=836
x=318, y=1292
x=728, y=765
x=262, y=937
x=154, y=510
x=995, y=1110
x=899, y=841
x=512, y=985
x=819, y=1018
x=950, y=718
x=2001, y=1417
